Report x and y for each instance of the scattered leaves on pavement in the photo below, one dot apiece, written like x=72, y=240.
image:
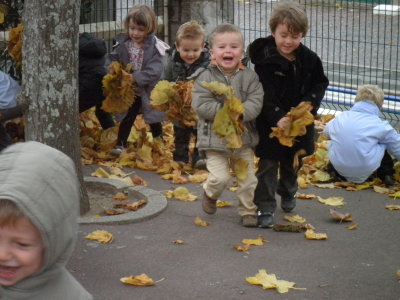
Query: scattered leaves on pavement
x=332, y=201
x=256, y=242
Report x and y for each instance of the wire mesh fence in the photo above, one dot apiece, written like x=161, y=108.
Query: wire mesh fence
x=358, y=41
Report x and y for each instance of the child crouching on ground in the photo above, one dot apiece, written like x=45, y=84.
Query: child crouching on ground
x=360, y=141
x=188, y=56
x=39, y=206
x=227, y=49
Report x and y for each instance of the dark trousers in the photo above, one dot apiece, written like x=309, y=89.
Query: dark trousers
x=385, y=168
x=105, y=118
x=5, y=115
x=127, y=123
x=182, y=139
x=270, y=182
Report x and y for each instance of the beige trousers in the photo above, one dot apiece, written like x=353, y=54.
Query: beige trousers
x=219, y=165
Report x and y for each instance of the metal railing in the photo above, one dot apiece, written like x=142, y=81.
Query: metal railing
x=357, y=43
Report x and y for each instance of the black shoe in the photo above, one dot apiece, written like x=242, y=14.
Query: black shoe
x=265, y=219
x=288, y=205
x=388, y=180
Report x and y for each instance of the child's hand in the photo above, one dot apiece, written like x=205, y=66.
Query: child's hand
x=310, y=107
x=283, y=123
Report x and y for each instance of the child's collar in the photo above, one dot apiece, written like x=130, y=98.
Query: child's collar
x=240, y=66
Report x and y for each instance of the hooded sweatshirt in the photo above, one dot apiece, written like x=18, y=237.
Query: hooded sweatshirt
x=42, y=182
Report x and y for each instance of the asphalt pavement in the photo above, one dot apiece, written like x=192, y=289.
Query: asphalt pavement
x=350, y=264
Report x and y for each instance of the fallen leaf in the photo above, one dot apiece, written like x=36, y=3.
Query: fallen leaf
x=223, y=203
x=398, y=274
x=101, y=236
x=352, y=227
x=100, y=172
x=198, y=177
x=395, y=195
x=256, y=242
x=381, y=190
x=199, y=222
x=305, y=196
x=295, y=218
x=310, y=234
x=178, y=242
x=243, y=248
x=325, y=185
x=135, y=205
x=269, y=281
x=392, y=207
x=182, y=193
x=113, y=212
x=340, y=217
x=119, y=196
x=137, y=180
x=138, y=280
x=332, y=201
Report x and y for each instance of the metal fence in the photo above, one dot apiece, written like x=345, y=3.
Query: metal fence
x=357, y=43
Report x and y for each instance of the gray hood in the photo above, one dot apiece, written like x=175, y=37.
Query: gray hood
x=42, y=182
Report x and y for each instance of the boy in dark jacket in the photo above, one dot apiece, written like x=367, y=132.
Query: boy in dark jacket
x=290, y=74
x=188, y=56
x=92, y=51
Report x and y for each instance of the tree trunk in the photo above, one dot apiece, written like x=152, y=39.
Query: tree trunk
x=49, y=78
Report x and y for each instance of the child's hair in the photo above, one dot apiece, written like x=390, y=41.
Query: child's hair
x=9, y=213
x=372, y=93
x=224, y=28
x=290, y=14
x=142, y=15
x=190, y=30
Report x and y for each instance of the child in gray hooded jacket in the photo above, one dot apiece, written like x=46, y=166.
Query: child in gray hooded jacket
x=39, y=207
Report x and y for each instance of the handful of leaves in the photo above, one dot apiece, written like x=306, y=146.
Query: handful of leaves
x=175, y=99
x=300, y=116
x=118, y=89
x=227, y=122
x=14, y=46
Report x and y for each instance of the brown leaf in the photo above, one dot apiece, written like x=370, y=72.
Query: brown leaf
x=340, y=217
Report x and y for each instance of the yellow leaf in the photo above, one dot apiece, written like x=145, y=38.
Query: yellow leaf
x=182, y=193
x=269, y=281
x=100, y=172
x=301, y=181
x=320, y=176
x=395, y=195
x=240, y=168
x=101, y=236
x=256, y=242
x=332, y=201
x=223, y=203
x=243, y=248
x=199, y=222
x=398, y=274
x=392, y=207
x=352, y=227
x=198, y=177
x=305, y=196
x=178, y=242
x=295, y=218
x=381, y=190
x=119, y=196
x=145, y=153
x=325, y=185
x=138, y=280
x=310, y=234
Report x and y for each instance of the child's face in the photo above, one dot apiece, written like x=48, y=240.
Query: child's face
x=286, y=42
x=136, y=32
x=227, y=50
x=21, y=251
x=190, y=49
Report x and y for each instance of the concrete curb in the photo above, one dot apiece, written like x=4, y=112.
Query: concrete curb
x=156, y=203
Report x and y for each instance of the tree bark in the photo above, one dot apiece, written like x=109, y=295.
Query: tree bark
x=49, y=78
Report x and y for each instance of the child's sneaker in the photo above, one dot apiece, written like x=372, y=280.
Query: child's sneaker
x=117, y=151
x=249, y=221
x=265, y=219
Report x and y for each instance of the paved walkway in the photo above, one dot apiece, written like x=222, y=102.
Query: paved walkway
x=357, y=264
